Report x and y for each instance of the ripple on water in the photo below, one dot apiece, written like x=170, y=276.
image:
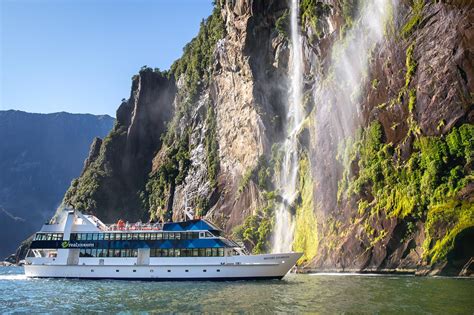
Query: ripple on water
x=321, y=293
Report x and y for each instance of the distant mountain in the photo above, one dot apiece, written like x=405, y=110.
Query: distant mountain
x=39, y=156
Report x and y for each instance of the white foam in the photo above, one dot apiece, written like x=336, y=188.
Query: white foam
x=13, y=277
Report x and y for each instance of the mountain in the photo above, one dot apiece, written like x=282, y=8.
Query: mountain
x=343, y=129
x=39, y=156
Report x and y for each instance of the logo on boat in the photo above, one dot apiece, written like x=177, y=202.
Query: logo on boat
x=67, y=244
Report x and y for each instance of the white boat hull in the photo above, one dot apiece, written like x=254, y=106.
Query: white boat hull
x=271, y=266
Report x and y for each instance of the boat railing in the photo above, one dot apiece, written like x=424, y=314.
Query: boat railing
x=134, y=227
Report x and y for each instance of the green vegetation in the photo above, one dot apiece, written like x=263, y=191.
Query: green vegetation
x=414, y=20
x=411, y=65
x=84, y=193
x=306, y=236
x=245, y=180
x=455, y=216
x=195, y=64
x=194, y=67
x=425, y=185
x=211, y=144
x=257, y=227
x=311, y=11
x=411, y=100
x=161, y=184
x=375, y=83
x=349, y=11
x=282, y=24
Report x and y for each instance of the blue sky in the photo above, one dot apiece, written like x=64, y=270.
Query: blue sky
x=79, y=55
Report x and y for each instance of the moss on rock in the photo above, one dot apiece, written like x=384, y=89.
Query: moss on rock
x=306, y=235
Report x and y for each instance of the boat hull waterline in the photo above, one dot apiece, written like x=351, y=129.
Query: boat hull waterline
x=251, y=267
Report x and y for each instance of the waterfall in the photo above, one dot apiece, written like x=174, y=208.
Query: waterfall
x=338, y=98
x=287, y=181
x=337, y=112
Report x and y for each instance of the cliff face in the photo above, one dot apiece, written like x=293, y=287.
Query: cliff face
x=385, y=170
x=39, y=156
x=117, y=167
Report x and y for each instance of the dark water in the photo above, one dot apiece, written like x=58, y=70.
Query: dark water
x=325, y=294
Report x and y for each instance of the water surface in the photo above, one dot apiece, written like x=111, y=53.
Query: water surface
x=325, y=294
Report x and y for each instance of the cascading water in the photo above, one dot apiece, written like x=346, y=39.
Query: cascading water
x=338, y=98
x=284, y=225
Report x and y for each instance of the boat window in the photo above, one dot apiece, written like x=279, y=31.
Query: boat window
x=89, y=236
x=165, y=236
x=134, y=253
x=153, y=236
x=209, y=234
x=177, y=235
x=201, y=234
x=72, y=237
x=48, y=237
x=100, y=253
x=106, y=236
x=112, y=236
x=141, y=236
x=171, y=236
x=202, y=252
x=164, y=252
x=208, y=252
x=135, y=236
x=159, y=236
x=88, y=252
x=221, y=252
x=100, y=236
x=94, y=253
x=214, y=252
x=195, y=235
x=195, y=252
x=117, y=253
x=128, y=236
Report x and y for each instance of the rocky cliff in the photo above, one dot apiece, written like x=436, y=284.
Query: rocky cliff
x=39, y=156
x=384, y=178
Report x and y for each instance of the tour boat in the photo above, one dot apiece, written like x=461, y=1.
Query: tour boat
x=81, y=246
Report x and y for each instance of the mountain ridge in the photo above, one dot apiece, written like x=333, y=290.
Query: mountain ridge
x=39, y=156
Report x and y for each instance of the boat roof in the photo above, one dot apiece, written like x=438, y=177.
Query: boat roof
x=191, y=225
